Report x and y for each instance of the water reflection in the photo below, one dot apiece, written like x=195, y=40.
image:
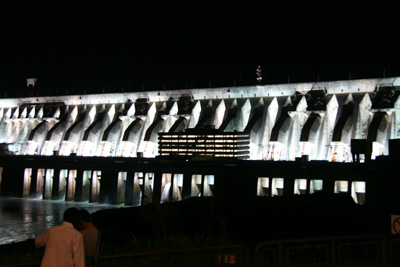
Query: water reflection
x=21, y=219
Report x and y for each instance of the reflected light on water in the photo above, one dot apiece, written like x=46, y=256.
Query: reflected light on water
x=21, y=219
x=27, y=218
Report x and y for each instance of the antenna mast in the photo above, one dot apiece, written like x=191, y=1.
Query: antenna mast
x=259, y=76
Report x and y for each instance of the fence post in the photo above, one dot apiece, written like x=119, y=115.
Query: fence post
x=333, y=252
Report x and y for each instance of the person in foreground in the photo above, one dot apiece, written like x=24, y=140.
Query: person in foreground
x=90, y=238
x=64, y=244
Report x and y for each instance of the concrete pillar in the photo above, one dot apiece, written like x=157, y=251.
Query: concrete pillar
x=315, y=185
x=243, y=116
x=363, y=118
x=94, y=191
x=147, y=192
x=268, y=125
x=250, y=188
x=6, y=114
x=208, y=185
x=166, y=187
x=36, y=183
x=12, y=182
x=81, y=147
x=70, y=185
x=288, y=188
x=219, y=114
x=107, y=120
x=256, y=127
x=80, y=187
x=27, y=126
x=57, y=191
x=196, y=188
x=27, y=182
x=222, y=185
x=299, y=118
x=1, y=177
x=194, y=118
x=170, y=119
x=41, y=174
x=228, y=124
x=73, y=134
x=92, y=131
x=48, y=183
x=122, y=176
x=328, y=185
x=264, y=186
x=171, y=188
x=150, y=116
x=33, y=190
x=2, y=112
x=177, y=183
x=129, y=188
x=13, y=127
x=395, y=133
x=56, y=133
x=341, y=186
x=137, y=190
x=277, y=185
x=358, y=191
x=323, y=136
x=301, y=186
x=186, y=186
x=108, y=187
x=63, y=178
x=157, y=184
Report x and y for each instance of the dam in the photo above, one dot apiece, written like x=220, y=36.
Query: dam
x=284, y=121
x=69, y=147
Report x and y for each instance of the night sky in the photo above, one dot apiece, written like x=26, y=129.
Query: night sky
x=95, y=49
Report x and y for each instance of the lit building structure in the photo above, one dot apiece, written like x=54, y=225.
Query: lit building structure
x=298, y=139
x=283, y=121
x=204, y=143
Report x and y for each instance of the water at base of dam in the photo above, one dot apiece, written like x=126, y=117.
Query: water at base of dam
x=22, y=219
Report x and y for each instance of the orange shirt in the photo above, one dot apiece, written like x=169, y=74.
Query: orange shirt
x=64, y=246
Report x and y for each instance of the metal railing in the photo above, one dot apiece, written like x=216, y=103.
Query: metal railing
x=371, y=250
x=223, y=256
x=376, y=250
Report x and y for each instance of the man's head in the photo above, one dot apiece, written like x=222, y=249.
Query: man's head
x=72, y=215
x=85, y=215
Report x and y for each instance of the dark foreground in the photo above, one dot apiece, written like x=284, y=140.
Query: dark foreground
x=250, y=220
x=245, y=221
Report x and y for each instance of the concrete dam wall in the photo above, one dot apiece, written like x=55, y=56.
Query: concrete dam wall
x=284, y=121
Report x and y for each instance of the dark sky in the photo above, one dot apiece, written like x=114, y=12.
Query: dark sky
x=101, y=49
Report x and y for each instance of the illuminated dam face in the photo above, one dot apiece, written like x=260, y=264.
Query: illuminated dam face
x=283, y=121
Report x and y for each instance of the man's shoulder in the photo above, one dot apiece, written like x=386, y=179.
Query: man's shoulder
x=65, y=228
x=90, y=230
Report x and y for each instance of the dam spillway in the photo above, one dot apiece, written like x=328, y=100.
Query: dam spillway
x=283, y=121
x=134, y=148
